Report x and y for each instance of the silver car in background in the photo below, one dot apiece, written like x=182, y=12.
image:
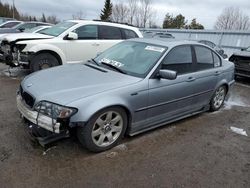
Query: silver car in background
x=135, y=86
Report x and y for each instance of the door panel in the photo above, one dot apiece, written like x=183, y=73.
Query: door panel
x=169, y=99
x=81, y=50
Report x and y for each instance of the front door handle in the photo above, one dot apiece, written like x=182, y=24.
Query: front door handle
x=191, y=79
x=95, y=44
x=217, y=73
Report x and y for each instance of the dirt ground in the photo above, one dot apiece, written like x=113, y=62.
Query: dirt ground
x=200, y=151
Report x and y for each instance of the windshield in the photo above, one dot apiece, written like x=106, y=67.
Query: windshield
x=57, y=29
x=133, y=58
x=247, y=49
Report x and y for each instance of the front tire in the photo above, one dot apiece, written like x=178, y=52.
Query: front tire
x=43, y=61
x=104, y=130
x=218, y=98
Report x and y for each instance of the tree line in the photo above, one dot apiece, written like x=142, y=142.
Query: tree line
x=141, y=13
x=6, y=10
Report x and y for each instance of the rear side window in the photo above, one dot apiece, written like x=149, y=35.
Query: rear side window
x=110, y=33
x=204, y=58
x=179, y=59
x=10, y=24
x=87, y=32
x=129, y=34
x=217, y=60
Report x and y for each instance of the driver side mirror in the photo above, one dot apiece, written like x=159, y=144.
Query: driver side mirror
x=72, y=36
x=167, y=74
x=21, y=29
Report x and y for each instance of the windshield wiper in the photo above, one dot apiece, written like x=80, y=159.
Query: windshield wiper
x=94, y=61
x=114, y=67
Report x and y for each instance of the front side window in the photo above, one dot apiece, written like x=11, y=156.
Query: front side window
x=179, y=59
x=133, y=58
x=57, y=29
x=87, y=32
x=109, y=33
x=204, y=58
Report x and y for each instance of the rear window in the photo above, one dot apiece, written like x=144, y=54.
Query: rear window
x=129, y=34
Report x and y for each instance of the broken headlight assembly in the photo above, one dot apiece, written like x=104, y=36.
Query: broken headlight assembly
x=55, y=111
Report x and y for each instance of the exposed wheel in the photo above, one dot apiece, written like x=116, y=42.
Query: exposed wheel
x=218, y=98
x=43, y=61
x=104, y=130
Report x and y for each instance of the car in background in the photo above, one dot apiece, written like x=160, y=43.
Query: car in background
x=37, y=29
x=153, y=34
x=132, y=87
x=5, y=19
x=241, y=60
x=10, y=24
x=215, y=47
x=71, y=41
x=163, y=35
x=8, y=40
x=21, y=27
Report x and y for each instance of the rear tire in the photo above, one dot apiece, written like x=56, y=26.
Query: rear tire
x=104, y=129
x=43, y=61
x=218, y=98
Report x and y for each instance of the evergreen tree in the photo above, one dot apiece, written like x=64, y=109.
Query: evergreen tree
x=107, y=11
x=43, y=19
x=195, y=25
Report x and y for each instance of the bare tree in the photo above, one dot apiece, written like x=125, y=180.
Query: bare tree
x=232, y=18
x=52, y=19
x=120, y=12
x=133, y=9
x=146, y=11
x=78, y=15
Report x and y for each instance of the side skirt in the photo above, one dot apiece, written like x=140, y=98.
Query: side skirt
x=154, y=126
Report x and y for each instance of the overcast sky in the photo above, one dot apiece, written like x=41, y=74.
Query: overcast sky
x=206, y=11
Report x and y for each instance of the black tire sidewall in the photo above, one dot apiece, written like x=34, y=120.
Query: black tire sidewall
x=35, y=62
x=84, y=133
x=212, y=107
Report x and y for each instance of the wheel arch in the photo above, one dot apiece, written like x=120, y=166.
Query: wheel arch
x=58, y=57
x=124, y=107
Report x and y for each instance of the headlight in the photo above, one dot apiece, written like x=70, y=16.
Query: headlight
x=54, y=110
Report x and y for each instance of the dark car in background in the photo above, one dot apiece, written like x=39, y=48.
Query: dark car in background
x=241, y=60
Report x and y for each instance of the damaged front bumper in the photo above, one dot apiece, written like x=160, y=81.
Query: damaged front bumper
x=41, y=127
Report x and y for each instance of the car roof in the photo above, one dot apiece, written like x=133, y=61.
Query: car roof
x=166, y=43
x=102, y=23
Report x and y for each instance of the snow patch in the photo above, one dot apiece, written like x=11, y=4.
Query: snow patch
x=234, y=102
x=239, y=131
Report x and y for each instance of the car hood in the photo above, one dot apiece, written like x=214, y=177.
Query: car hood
x=68, y=83
x=15, y=37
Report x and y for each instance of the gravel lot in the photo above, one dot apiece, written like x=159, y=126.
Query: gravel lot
x=200, y=151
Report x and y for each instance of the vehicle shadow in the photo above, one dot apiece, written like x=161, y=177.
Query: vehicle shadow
x=243, y=80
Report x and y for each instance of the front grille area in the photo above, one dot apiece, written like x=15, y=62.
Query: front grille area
x=29, y=100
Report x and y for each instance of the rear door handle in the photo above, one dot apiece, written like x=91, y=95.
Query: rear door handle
x=95, y=44
x=217, y=73
x=191, y=79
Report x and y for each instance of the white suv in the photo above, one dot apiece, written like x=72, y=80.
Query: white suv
x=71, y=41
